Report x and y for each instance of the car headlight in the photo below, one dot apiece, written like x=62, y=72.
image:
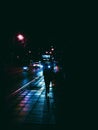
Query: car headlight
x=25, y=68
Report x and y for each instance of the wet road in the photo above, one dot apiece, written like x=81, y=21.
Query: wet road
x=27, y=107
x=27, y=103
x=17, y=80
x=31, y=105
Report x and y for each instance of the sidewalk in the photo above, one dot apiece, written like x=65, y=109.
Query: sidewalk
x=31, y=107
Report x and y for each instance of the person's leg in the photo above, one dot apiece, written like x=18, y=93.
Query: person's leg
x=47, y=87
x=47, y=83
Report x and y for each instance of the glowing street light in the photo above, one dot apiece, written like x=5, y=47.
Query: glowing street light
x=50, y=52
x=52, y=49
x=46, y=52
x=29, y=51
x=20, y=37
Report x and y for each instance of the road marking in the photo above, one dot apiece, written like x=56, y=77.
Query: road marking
x=23, y=87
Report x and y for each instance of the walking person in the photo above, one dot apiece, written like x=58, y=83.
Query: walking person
x=48, y=75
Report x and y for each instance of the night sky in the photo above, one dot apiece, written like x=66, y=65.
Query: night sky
x=41, y=22
x=64, y=25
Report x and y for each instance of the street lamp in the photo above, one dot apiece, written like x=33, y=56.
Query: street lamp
x=46, y=52
x=20, y=37
x=29, y=52
x=52, y=49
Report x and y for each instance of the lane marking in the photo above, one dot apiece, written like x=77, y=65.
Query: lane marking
x=23, y=86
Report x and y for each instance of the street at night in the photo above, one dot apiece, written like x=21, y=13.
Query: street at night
x=26, y=102
x=45, y=73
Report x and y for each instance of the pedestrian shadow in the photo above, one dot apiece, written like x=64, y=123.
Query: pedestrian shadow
x=48, y=102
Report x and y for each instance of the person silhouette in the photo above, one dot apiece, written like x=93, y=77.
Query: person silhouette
x=48, y=75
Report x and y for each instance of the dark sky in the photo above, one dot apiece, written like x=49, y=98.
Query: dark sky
x=41, y=32
x=42, y=21
x=65, y=25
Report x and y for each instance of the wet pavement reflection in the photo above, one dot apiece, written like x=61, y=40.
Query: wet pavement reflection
x=31, y=106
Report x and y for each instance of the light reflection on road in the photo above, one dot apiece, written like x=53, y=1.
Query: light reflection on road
x=37, y=73
x=32, y=105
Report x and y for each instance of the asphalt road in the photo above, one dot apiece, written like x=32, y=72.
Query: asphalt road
x=26, y=103
x=25, y=94
x=18, y=79
x=66, y=103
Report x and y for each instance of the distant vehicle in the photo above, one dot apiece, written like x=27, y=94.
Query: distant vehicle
x=37, y=65
x=46, y=57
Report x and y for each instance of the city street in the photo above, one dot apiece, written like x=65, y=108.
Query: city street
x=19, y=78
x=26, y=102
x=40, y=35
x=25, y=105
